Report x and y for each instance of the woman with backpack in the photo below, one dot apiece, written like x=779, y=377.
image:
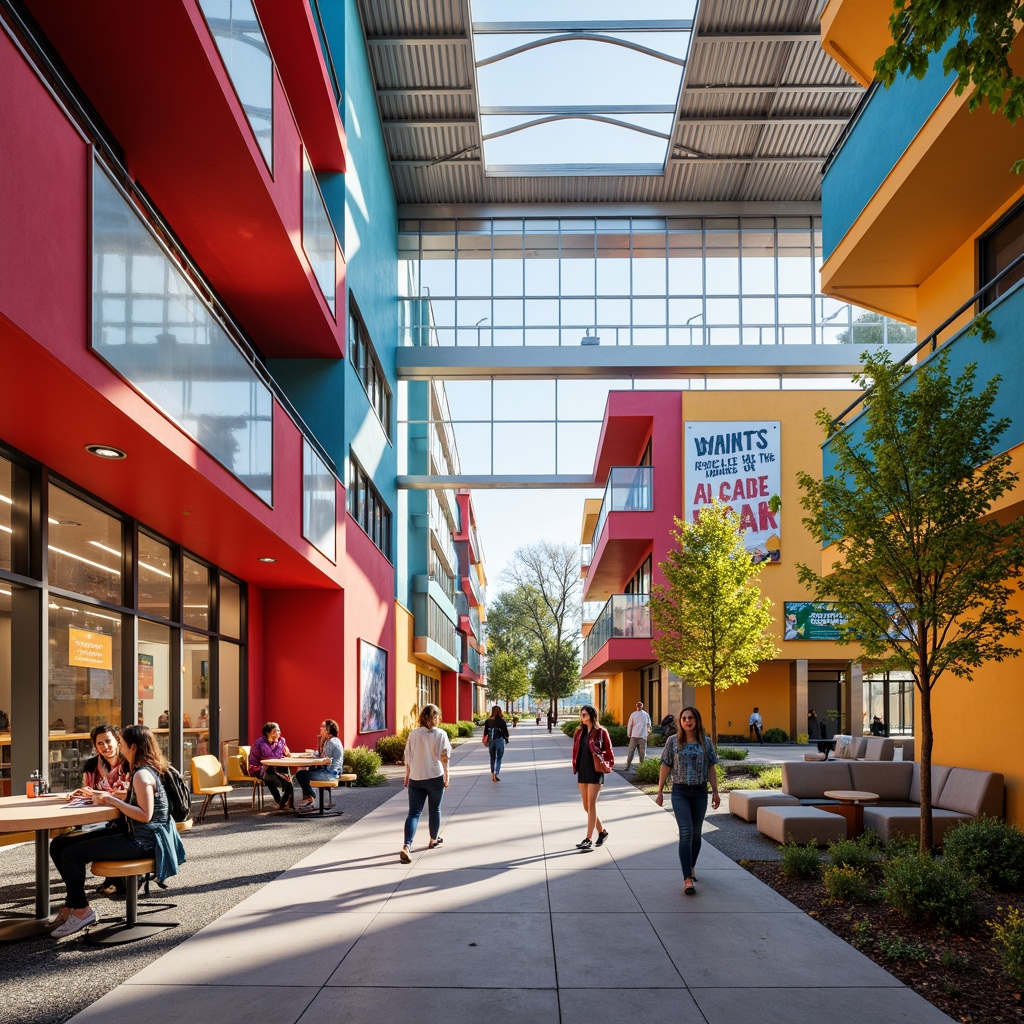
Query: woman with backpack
x=689, y=757
x=148, y=831
x=592, y=759
x=495, y=738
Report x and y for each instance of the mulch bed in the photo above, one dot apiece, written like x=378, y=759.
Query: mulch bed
x=960, y=974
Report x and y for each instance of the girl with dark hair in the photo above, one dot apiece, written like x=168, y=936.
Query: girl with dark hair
x=689, y=757
x=149, y=831
x=590, y=744
x=328, y=745
x=496, y=736
x=272, y=744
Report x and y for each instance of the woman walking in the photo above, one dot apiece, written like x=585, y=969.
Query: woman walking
x=689, y=757
x=496, y=736
x=591, y=745
x=427, y=751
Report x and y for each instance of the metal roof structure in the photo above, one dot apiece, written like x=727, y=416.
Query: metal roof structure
x=760, y=108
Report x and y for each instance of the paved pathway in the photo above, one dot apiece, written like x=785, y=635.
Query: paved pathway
x=507, y=922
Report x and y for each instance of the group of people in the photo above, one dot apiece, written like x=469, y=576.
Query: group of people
x=271, y=745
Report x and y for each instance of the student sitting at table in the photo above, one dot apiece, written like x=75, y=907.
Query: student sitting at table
x=329, y=746
x=279, y=782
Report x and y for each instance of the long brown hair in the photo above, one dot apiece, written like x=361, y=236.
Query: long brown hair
x=702, y=736
x=147, y=750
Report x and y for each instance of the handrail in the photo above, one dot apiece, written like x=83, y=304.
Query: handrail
x=932, y=338
x=850, y=125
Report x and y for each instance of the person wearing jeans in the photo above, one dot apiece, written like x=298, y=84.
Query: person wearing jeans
x=329, y=746
x=637, y=729
x=690, y=759
x=427, y=752
x=496, y=736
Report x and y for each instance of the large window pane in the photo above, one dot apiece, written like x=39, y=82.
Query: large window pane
x=154, y=577
x=196, y=696
x=230, y=608
x=229, y=683
x=319, y=502
x=6, y=513
x=195, y=592
x=84, y=548
x=318, y=240
x=153, y=676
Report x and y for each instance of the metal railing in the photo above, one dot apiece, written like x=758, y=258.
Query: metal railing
x=624, y=616
x=629, y=489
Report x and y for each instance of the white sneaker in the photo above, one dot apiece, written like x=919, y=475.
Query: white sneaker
x=74, y=924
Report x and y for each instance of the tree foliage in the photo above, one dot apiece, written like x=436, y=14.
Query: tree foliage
x=710, y=614
x=508, y=678
x=919, y=567
x=982, y=34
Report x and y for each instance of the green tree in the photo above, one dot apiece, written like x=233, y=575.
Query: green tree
x=983, y=33
x=552, y=684
x=507, y=678
x=919, y=566
x=878, y=333
x=710, y=616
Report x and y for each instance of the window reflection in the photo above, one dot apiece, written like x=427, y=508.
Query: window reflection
x=85, y=548
x=195, y=592
x=154, y=577
x=6, y=513
x=230, y=608
x=196, y=696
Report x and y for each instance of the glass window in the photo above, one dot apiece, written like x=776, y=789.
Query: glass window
x=229, y=686
x=319, y=503
x=230, y=607
x=153, y=678
x=196, y=696
x=318, y=238
x=84, y=670
x=368, y=367
x=6, y=513
x=999, y=248
x=236, y=31
x=154, y=577
x=195, y=592
x=85, y=548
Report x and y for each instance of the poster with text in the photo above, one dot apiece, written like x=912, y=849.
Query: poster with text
x=737, y=463
x=146, y=677
x=373, y=687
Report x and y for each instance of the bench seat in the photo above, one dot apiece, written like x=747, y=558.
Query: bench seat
x=800, y=825
x=744, y=802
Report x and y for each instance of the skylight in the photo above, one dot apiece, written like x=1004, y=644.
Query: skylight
x=572, y=87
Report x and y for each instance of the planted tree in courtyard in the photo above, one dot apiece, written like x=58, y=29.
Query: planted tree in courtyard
x=919, y=566
x=710, y=617
x=508, y=678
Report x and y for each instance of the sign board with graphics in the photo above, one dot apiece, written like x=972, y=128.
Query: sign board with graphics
x=812, y=620
x=90, y=650
x=739, y=464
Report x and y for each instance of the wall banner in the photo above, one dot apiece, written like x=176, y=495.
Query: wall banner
x=813, y=620
x=87, y=649
x=739, y=464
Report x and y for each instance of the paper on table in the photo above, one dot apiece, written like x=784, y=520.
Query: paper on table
x=78, y=802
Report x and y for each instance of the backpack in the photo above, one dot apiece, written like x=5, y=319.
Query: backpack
x=179, y=799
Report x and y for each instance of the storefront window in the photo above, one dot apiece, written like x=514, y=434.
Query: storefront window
x=153, y=678
x=85, y=548
x=154, y=577
x=196, y=696
x=6, y=513
x=229, y=677
x=230, y=608
x=196, y=593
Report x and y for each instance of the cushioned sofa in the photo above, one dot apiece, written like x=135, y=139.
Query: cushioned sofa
x=958, y=794
x=876, y=748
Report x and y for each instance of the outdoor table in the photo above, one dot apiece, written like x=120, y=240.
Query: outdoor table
x=296, y=761
x=40, y=814
x=851, y=807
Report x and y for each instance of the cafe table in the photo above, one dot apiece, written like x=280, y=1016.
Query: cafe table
x=298, y=761
x=851, y=807
x=39, y=815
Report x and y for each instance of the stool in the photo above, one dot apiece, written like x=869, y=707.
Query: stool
x=326, y=784
x=347, y=779
x=130, y=929
x=800, y=825
x=744, y=802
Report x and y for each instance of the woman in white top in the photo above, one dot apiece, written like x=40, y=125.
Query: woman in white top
x=427, y=751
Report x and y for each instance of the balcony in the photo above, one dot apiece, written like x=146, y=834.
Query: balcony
x=470, y=613
x=622, y=534
x=473, y=662
x=434, y=638
x=586, y=553
x=620, y=637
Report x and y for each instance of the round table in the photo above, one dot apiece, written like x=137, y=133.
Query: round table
x=297, y=761
x=39, y=815
x=851, y=807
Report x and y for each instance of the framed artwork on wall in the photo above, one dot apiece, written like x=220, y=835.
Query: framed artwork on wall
x=373, y=687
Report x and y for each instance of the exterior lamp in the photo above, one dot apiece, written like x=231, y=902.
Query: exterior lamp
x=590, y=339
x=105, y=451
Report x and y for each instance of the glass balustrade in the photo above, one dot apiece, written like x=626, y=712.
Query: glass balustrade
x=624, y=616
x=629, y=489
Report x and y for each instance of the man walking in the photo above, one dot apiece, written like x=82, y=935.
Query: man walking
x=638, y=729
x=756, y=725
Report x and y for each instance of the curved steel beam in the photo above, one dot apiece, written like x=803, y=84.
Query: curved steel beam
x=576, y=117
x=594, y=37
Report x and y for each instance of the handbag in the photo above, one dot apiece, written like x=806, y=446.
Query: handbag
x=487, y=738
x=600, y=764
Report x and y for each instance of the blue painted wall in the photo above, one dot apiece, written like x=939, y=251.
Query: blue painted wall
x=886, y=126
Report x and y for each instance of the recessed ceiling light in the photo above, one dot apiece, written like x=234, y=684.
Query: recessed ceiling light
x=266, y=559
x=105, y=451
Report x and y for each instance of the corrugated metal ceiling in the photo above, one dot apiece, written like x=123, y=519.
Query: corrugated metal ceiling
x=761, y=108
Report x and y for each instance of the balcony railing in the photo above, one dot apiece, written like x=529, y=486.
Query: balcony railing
x=586, y=553
x=629, y=489
x=624, y=617
x=473, y=659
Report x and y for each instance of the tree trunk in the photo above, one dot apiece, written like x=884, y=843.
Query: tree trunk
x=714, y=717
x=927, y=832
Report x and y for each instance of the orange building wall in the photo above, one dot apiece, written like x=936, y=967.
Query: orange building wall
x=767, y=689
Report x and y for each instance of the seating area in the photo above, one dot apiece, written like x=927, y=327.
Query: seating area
x=208, y=781
x=796, y=813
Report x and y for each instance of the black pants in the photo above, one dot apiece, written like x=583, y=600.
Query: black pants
x=279, y=783
x=71, y=853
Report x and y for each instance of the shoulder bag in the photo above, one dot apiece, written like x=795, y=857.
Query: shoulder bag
x=603, y=759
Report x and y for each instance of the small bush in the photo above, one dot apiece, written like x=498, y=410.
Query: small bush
x=802, y=737
x=801, y=861
x=852, y=853
x=450, y=728
x=656, y=739
x=620, y=737
x=465, y=728
x=900, y=846
x=847, y=883
x=954, y=961
x=570, y=726
x=480, y=719
x=607, y=719
x=895, y=947
x=1008, y=942
x=732, y=754
x=392, y=748
x=776, y=735
x=770, y=776
x=989, y=849
x=366, y=764
x=925, y=890
x=648, y=771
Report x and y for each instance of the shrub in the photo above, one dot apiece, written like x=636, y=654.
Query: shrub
x=450, y=728
x=802, y=737
x=465, y=728
x=656, y=739
x=620, y=737
x=801, y=861
x=1008, y=942
x=847, y=883
x=732, y=754
x=392, y=748
x=776, y=735
x=852, y=853
x=895, y=947
x=769, y=777
x=570, y=726
x=648, y=770
x=479, y=719
x=989, y=849
x=926, y=890
x=366, y=764
x=607, y=719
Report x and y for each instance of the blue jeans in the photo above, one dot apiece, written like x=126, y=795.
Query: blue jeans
x=420, y=792
x=689, y=805
x=305, y=775
x=497, y=748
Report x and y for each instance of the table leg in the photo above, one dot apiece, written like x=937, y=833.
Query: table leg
x=854, y=815
x=16, y=931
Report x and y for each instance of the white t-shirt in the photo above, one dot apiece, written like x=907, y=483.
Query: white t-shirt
x=639, y=725
x=755, y=719
x=423, y=750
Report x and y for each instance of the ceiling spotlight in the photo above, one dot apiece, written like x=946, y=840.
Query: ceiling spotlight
x=105, y=451
x=266, y=559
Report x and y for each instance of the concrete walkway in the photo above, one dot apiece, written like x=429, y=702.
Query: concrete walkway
x=507, y=922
